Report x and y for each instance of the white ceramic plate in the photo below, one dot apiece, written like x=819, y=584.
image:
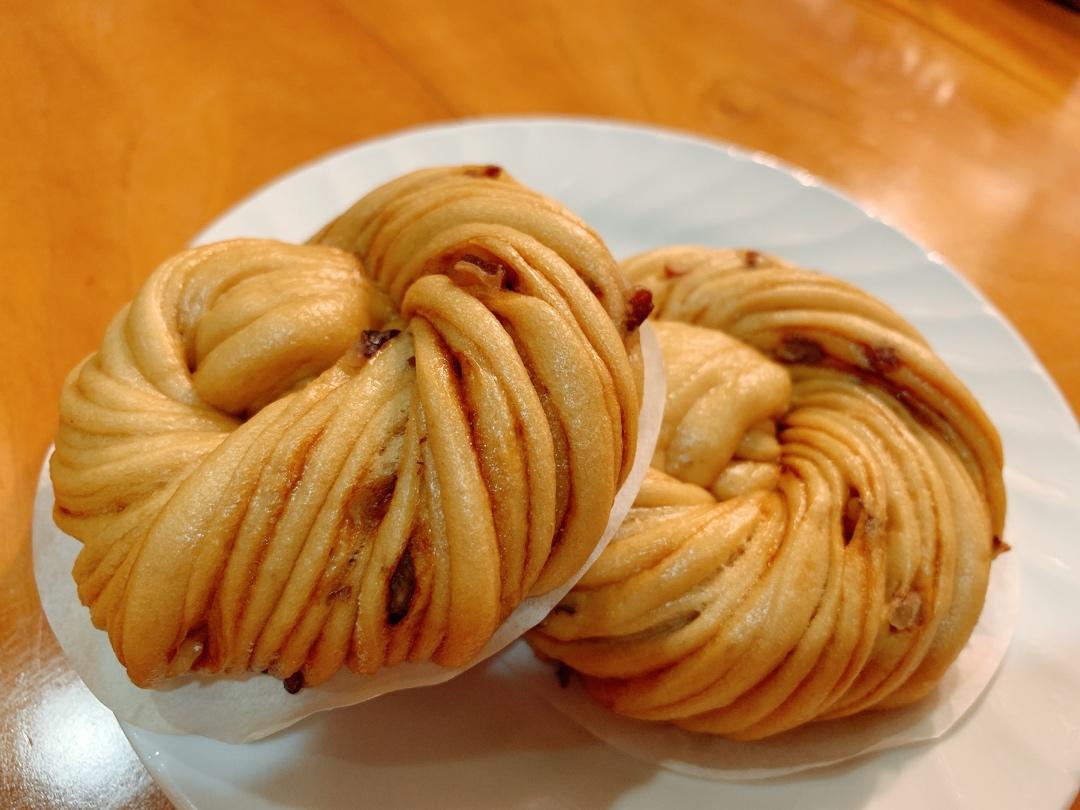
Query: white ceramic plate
x=479, y=741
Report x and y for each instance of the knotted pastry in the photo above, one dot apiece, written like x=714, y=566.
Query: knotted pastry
x=361, y=451
x=815, y=535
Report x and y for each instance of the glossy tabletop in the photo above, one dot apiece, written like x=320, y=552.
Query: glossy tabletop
x=127, y=127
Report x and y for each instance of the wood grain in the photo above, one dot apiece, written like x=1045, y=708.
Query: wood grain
x=128, y=126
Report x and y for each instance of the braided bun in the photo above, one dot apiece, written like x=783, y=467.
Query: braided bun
x=360, y=451
x=816, y=533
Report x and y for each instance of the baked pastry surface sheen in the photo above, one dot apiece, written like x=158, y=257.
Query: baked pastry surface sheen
x=814, y=538
x=357, y=452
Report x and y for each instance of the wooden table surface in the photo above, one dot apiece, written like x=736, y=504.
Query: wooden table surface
x=126, y=127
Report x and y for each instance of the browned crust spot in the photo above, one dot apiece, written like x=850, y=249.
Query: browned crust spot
x=594, y=289
x=490, y=170
x=883, y=359
x=371, y=340
x=796, y=348
x=907, y=613
x=341, y=594
x=294, y=683
x=490, y=266
x=402, y=587
x=475, y=268
x=853, y=510
x=799, y=349
x=368, y=503
x=638, y=307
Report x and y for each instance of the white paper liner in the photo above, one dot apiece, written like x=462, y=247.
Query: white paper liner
x=247, y=708
x=812, y=746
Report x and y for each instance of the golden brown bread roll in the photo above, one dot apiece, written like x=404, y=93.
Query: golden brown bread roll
x=358, y=452
x=814, y=538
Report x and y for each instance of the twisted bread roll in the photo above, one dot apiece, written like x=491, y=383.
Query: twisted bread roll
x=815, y=536
x=284, y=460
